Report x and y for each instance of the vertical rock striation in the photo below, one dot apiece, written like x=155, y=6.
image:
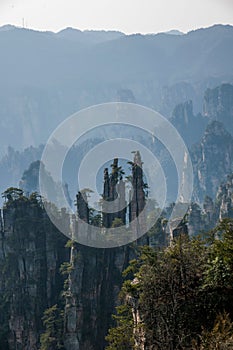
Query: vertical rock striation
x=32, y=251
x=218, y=105
x=212, y=160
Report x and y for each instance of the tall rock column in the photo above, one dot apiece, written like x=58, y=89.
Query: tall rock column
x=83, y=212
x=138, y=199
x=71, y=341
x=114, y=193
x=113, y=196
x=106, y=193
x=82, y=206
x=121, y=202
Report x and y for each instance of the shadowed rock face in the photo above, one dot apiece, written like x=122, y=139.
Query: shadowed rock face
x=94, y=285
x=31, y=252
x=82, y=206
x=137, y=203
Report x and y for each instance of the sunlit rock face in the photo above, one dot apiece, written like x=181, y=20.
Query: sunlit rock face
x=212, y=160
x=218, y=105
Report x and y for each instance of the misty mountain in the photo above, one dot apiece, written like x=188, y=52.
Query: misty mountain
x=89, y=37
x=14, y=163
x=211, y=146
x=47, y=76
x=174, y=32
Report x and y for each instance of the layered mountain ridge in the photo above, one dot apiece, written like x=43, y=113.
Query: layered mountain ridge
x=45, y=77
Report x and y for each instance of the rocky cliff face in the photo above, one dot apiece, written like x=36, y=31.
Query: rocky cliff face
x=191, y=127
x=176, y=94
x=31, y=253
x=14, y=163
x=202, y=218
x=96, y=276
x=224, y=198
x=218, y=105
x=93, y=292
x=212, y=160
x=32, y=250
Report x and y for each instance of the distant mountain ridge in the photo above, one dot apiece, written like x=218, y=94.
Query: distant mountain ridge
x=89, y=37
x=174, y=32
x=47, y=76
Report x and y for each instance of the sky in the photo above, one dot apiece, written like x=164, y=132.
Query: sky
x=128, y=16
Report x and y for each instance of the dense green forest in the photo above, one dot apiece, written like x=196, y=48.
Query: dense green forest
x=178, y=297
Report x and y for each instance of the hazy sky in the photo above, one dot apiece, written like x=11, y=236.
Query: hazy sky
x=129, y=16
